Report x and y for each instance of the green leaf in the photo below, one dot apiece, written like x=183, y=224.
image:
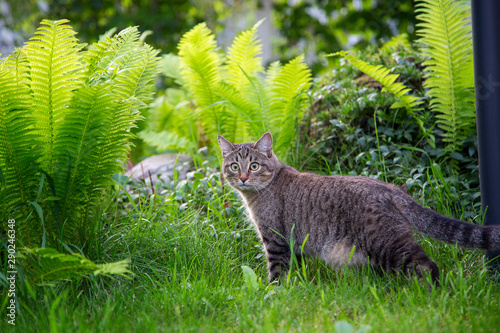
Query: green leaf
x=392, y=44
x=43, y=265
x=289, y=85
x=40, y=215
x=343, y=327
x=250, y=278
x=171, y=67
x=166, y=141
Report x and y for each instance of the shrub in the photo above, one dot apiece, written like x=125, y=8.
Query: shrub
x=352, y=128
x=65, y=120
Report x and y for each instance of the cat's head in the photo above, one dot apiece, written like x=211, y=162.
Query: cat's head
x=248, y=166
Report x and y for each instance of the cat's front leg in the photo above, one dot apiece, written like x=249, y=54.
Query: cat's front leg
x=278, y=255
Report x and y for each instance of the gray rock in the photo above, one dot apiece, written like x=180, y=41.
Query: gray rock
x=161, y=168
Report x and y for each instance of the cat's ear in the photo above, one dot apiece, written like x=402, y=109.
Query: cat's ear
x=265, y=144
x=226, y=146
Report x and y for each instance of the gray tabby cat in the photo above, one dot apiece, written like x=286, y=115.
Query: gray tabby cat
x=338, y=213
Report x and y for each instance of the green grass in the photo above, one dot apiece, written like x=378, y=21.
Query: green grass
x=187, y=255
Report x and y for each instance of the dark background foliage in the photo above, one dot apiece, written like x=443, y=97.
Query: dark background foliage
x=323, y=26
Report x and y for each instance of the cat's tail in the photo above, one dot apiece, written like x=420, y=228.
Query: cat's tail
x=448, y=229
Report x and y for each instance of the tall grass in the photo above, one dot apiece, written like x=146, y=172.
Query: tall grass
x=187, y=254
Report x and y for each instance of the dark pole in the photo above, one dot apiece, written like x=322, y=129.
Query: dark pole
x=486, y=45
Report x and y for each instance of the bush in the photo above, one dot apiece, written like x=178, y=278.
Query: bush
x=352, y=129
x=65, y=120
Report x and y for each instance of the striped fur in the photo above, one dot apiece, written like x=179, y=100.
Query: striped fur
x=339, y=213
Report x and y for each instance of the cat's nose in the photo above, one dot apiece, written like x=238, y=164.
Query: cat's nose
x=243, y=179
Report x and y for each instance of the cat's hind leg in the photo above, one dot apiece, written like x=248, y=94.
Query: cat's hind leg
x=397, y=251
x=412, y=259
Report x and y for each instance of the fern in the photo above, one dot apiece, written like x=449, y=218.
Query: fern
x=107, y=56
x=395, y=42
x=17, y=156
x=171, y=122
x=244, y=56
x=382, y=75
x=171, y=67
x=111, y=110
x=167, y=141
x=237, y=98
x=288, y=103
x=55, y=68
x=43, y=265
x=65, y=118
x=409, y=102
x=247, y=120
x=82, y=132
x=242, y=67
x=445, y=32
x=200, y=65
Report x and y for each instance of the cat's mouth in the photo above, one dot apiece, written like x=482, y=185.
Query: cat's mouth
x=244, y=186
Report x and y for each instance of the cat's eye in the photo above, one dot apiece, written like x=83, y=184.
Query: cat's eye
x=254, y=166
x=235, y=167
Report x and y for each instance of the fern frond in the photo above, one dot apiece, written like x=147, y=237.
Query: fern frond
x=382, y=75
x=388, y=81
x=233, y=99
x=254, y=108
x=167, y=141
x=106, y=57
x=265, y=97
x=18, y=159
x=163, y=111
x=242, y=67
x=249, y=119
x=43, y=265
x=446, y=33
x=200, y=65
x=66, y=119
x=132, y=87
x=82, y=132
x=288, y=91
x=272, y=72
x=136, y=77
x=171, y=67
x=392, y=44
x=95, y=135
x=244, y=56
x=19, y=64
x=171, y=123
x=56, y=71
